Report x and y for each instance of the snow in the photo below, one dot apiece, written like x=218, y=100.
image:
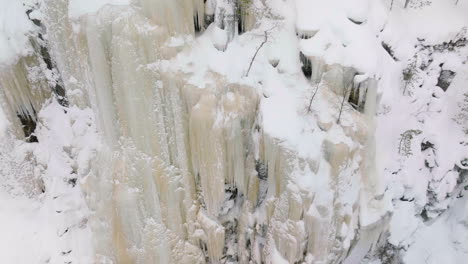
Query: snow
x=403, y=224
x=339, y=40
x=14, y=29
x=440, y=21
x=20, y=234
x=445, y=240
x=45, y=225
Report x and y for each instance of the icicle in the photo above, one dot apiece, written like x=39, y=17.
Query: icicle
x=312, y=67
x=359, y=92
x=239, y=106
x=276, y=159
x=141, y=113
x=208, y=154
x=23, y=90
x=318, y=68
x=317, y=220
x=138, y=208
x=337, y=77
x=198, y=15
x=215, y=237
x=175, y=16
x=245, y=16
x=305, y=34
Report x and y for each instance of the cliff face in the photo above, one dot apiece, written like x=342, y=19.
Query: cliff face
x=227, y=131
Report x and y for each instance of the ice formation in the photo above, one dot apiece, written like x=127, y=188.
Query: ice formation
x=148, y=142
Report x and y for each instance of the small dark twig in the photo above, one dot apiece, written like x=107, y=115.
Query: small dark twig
x=311, y=99
x=346, y=89
x=256, y=52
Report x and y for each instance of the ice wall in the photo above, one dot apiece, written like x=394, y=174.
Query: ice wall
x=165, y=144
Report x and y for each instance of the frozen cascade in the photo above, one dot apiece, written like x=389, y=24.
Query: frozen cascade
x=176, y=176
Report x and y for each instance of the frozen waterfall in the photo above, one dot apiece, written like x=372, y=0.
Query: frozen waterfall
x=200, y=164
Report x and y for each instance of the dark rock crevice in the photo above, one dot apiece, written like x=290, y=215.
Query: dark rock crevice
x=306, y=65
x=39, y=42
x=262, y=173
x=445, y=79
x=354, y=96
x=28, y=123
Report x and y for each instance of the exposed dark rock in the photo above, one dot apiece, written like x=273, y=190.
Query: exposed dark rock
x=426, y=144
x=305, y=34
x=358, y=92
x=306, y=65
x=354, y=98
x=431, y=209
x=231, y=191
x=424, y=215
x=262, y=173
x=302, y=36
x=240, y=26
x=428, y=165
x=404, y=199
x=450, y=46
x=262, y=170
x=230, y=253
x=64, y=232
x=355, y=21
x=72, y=182
x=384, y=251
x=463, y=175
x=389, y=50
x=36, y=22
x=464, y=162
x=208, y=20
x=390, y=254
x=29, y=126
x=40, y=45
x=445, y=79
x=66, y=252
